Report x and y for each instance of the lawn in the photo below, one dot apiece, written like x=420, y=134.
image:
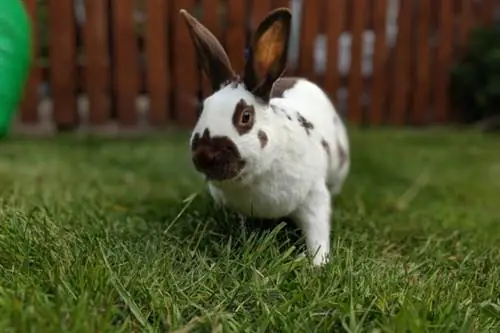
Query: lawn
x=102, y=235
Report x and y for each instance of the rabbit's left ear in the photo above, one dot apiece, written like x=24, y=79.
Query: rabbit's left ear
x=267, y=56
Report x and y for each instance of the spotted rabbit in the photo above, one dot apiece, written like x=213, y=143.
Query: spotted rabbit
x=269, y=146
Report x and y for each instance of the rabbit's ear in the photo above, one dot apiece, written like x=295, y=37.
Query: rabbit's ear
x=213, y=58
x=267, y=56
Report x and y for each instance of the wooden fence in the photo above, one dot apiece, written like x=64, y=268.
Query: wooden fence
x=130, y=63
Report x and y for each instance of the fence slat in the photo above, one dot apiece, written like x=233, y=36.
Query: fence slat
x=157, y=61
x=487, y=12
x=235, y=43
x=354, y=112
x=334, y=26
x=466, y=22
x=444, y=60
x=421, y=102
x=29, y=103
x=260, y=9
x=280, y=3
x=378, y=91
x=95, y=35
x=211, y=20
x=402, y=65
x=126, y=76
x=185, y=70
x=309, y=31
x=62, y=54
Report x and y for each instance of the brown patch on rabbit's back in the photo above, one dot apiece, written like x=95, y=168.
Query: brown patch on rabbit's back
x=342, y=154
x=306, y=124
x=326, y=146
x=281, y=85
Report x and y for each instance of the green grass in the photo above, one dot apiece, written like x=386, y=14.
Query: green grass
x=107, y=236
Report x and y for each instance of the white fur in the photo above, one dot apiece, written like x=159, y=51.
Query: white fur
x=292, y=175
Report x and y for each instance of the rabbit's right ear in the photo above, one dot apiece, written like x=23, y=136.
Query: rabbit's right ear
x=213, y=58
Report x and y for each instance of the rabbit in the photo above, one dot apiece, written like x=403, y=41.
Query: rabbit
x=268, y=146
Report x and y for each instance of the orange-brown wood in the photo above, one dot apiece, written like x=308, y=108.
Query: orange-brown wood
x=444, y=61
x=380, y=70
x=95, y=39
x=235, y=43
x=309, y=31
x=260, y=9
x=62, y=51
x=421, y=102
x=125, y=56
x=466, y=22
x=334, y=27
x=29, y=103
x=158, y=76
x=402, y=68
x=487, y=12
x=280, y=3
x=354, y=112
x=185, y=70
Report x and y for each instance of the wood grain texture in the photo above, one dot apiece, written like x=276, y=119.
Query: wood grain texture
x=29, y=103
x=380, y=58
x=62, y=50
x=158, y=74
x=334, y=27
x=97, y=73
x=354, y=112
x=125, y=57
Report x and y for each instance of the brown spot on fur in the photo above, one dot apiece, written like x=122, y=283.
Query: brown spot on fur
x=277, y=109
x=308, y=126
x=342, y=154
x=243, y=117
x=326, y=146
x=217, y=157
x=262, y=138
x=281, y=85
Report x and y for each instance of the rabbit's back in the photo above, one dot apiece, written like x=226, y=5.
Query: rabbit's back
x=318, y=114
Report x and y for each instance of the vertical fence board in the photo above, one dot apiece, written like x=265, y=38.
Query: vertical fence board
x=402, y=64
x=334, y=26
x=378, y=91
x=421, y=102
x=126, y=76
x=236, y=34
x=211, y=19
x=466, y=22
x=260, y=9
x=29, y=103
x=157, y=61
x=444, y=60
x=487, y=12
x=309, y=31
x=62, y=53
x=95, y=39
x=185, y=69
x=354, y=112
x=280, y=3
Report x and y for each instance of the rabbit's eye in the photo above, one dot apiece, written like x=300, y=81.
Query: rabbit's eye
x=246, y=117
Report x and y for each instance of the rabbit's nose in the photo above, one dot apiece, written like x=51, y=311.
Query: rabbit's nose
x=205, y=159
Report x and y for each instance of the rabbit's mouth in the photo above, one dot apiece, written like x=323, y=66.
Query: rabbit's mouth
x=217, y=158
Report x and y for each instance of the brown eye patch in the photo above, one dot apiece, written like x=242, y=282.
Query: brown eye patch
x=243, y=117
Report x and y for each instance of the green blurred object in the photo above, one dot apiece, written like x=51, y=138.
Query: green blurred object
x=15, y=58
